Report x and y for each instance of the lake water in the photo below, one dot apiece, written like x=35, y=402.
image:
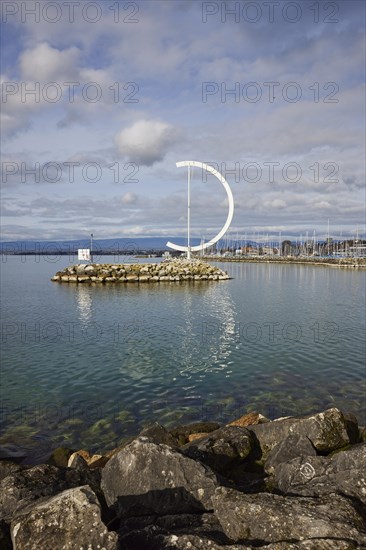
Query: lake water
x=85, y=366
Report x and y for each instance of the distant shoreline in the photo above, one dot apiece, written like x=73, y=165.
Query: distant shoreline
x=332, y=262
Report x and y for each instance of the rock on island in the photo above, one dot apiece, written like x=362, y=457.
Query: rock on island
x=175, y=270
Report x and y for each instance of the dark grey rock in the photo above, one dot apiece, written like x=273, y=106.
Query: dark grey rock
x=197, y=542
x=78, y=462
x=342, y=473
x=145, y=478
x=69, y=520
x=292, y=446
x=222, y=448
x=185, y=531
x=182, y=432
x=21, y=488
x=350, y=459
x=152, y=538
x=205, y=522
x=315, y=544
x=7, y=468
x=248, y=477
x=362, y=433
x=273, y=518
x=352, y=428
x=173, y=522
x=5, y=537
x=327, y=431
x=298, y=475
x=158, y=434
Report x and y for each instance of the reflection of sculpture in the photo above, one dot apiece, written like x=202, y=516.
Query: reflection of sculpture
x=84, y=303
x=221, y=178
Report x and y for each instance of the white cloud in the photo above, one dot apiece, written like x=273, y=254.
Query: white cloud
x=146, y=141
x=46, y=64
x=46, y=73
x=129, y=198
x=168, y=54
x=278, y=203
x=322, y=205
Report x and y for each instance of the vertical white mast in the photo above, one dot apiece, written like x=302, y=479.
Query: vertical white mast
x=189, y=215
x=91, y=248
x=307, y=247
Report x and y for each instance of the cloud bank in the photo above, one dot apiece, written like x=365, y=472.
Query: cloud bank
x=285, y=97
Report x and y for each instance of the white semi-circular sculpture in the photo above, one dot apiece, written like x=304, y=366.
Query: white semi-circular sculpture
x=221, y=178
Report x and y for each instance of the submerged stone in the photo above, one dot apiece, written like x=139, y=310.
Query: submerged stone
x=60, y=456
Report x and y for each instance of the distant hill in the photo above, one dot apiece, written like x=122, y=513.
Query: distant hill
x=120, y=245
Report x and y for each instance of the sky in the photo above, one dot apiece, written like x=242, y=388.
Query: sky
x=100, y=99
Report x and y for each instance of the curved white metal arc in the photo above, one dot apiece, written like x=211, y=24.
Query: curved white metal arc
x=229, y=218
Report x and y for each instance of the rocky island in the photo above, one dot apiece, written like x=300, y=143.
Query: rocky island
x=287, y=484
x=177, y=270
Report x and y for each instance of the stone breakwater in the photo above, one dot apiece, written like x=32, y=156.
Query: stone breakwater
x=288, y=484
x=166, y=271
x=329, y=261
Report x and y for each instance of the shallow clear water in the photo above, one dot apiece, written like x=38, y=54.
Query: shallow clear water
x=84, y=366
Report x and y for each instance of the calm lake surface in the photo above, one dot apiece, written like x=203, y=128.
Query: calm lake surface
x=85, y=366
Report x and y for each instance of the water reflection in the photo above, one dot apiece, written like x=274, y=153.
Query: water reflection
x=207, y=330
x=84, y=303
x=222, y=313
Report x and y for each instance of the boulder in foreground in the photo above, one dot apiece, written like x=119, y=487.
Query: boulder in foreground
x=287, y=484
x=327, y=431
x=342, y=473
x=68, y=520
x=272, y=518
x=147, y=478
x=222, y=448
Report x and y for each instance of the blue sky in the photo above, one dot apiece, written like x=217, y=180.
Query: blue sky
x=194, y=81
